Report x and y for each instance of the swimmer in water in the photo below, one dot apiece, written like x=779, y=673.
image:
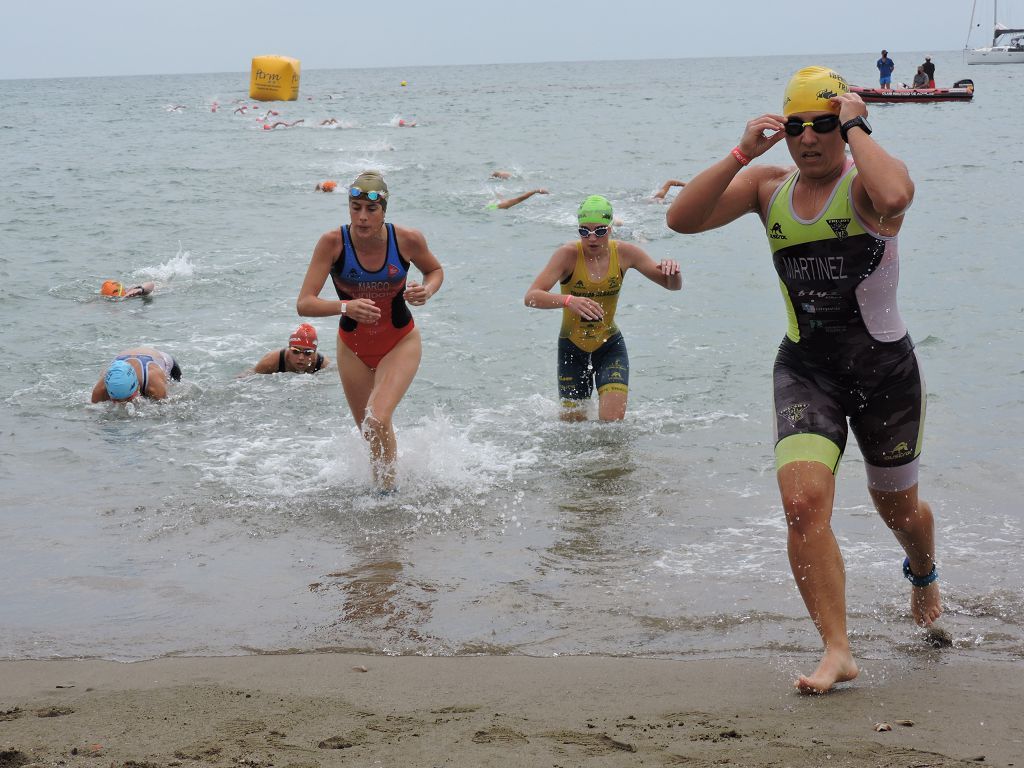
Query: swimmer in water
x=114, y=289
x=300, y=356
x=281, y=123
x=503, y=204
x=138, y=371
x=326, y=186
x=660, y=194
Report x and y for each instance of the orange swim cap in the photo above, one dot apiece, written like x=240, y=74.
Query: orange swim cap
x=112, y=288
x=328, y=186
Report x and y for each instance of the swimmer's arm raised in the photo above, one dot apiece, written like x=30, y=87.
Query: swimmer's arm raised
x=665, y=273
x=660, y=194
x=882, y=190
x=721, y=194
x=519, y=198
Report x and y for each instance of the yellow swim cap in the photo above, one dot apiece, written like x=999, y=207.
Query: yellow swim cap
x=810, y=89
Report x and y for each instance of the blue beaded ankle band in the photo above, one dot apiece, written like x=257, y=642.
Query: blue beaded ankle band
x=919, y=581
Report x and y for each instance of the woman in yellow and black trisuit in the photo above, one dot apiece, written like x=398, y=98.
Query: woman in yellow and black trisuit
x=590, y=347
x=847, y=362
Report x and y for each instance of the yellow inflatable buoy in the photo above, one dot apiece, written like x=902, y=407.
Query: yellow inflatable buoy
x=274, y=78
x=403, y=83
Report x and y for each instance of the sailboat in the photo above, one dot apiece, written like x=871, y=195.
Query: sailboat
x=1011, y=52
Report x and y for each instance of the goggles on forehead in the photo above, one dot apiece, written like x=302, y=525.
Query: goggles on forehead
x=372, y=195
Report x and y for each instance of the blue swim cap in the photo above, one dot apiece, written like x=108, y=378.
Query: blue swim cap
x=121, y=380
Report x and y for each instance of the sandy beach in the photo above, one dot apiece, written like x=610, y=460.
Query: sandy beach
x=310, y=710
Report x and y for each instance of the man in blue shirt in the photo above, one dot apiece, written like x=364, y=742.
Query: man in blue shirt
x=885, y=67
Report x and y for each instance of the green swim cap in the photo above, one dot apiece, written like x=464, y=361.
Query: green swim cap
x=595, y=210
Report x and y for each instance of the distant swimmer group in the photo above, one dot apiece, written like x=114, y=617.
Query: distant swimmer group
x=282, y=124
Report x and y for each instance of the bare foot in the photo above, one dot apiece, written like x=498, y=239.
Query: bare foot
x=835, y=667
x=925, y=605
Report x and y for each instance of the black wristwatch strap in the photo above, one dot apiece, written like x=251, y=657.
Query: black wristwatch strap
x=857, y=122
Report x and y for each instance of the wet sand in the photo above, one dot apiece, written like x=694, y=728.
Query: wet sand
x=310, y=710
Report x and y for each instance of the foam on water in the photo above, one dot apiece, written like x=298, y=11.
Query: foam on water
x=179, y=266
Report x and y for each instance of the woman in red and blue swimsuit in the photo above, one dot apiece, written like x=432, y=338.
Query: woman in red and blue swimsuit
x=378, y=343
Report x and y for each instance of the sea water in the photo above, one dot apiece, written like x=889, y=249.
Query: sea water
x=238, y=516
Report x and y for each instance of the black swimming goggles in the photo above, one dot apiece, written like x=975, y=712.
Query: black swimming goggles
x=821, y=124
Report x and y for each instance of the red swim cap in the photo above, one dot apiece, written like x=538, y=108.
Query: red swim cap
x=304, y=336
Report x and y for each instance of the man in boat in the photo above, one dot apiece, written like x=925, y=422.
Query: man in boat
x=921, y=78
x=885, y=67
x=929, y=70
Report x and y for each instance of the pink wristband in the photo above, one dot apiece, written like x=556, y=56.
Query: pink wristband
x=742, y=158
x=568, y=298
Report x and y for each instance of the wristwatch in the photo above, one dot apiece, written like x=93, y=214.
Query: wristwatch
x=344, y=304
x=857, y=122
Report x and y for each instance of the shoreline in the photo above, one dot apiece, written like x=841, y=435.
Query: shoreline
x=323, y=709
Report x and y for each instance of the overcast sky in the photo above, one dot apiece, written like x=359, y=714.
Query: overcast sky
x=63, y=38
